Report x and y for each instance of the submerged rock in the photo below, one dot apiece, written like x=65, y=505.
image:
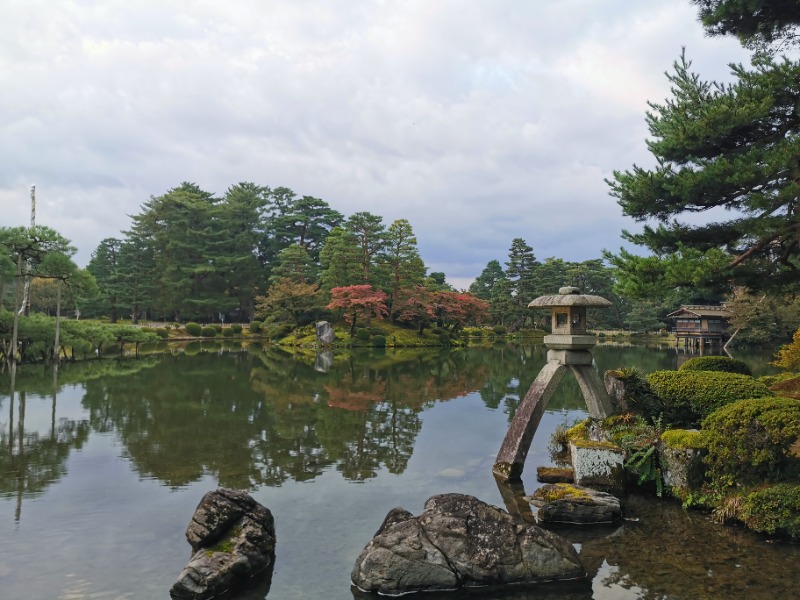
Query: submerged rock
x=233, y=540
x=561, y=503
x=460, y=542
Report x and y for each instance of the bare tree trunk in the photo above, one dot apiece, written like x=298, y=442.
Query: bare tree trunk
x=15, y=329
x=25, y=307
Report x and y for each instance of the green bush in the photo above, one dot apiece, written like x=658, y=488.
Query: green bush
x=255, y=326
x=500, y=330
x=194, y=329
x=444, y=339
x=679, y=439
x=749, y=440
x=379, y=341
x=227, y=332
x=687, y=397
x=772, y=510
x=216, y=327
x=236, y=328
x=362, y=334
x=725, y=364
x=161, y=332
x=376, y=331
x=208, y=331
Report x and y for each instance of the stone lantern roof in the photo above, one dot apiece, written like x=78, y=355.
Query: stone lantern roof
x=569, y=296
x=568, y=314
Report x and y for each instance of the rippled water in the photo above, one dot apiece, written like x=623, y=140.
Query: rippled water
x=103, y=463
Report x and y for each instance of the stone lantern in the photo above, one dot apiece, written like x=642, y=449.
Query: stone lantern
x=568, y=349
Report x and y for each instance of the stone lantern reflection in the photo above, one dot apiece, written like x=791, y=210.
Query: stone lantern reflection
x=568, y=349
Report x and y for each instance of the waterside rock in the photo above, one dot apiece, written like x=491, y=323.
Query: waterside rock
x=599, y=465
x=325, y=333
x=233, y=540
x=561, y=503
x=460, y=542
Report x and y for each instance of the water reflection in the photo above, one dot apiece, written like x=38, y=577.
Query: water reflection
x=404, y=424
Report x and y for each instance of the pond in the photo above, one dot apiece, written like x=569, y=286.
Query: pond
x=103, y=462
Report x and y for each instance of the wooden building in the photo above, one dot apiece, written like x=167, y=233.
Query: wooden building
x=700, y=325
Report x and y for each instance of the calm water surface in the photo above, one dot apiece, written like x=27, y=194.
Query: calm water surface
x=103, y=463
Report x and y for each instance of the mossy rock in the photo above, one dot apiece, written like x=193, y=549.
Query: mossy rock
x=680, y=439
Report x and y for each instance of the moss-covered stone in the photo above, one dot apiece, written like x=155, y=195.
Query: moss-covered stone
x=679, y=439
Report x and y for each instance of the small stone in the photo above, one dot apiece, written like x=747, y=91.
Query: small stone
x=561, y=503
x=599, y=465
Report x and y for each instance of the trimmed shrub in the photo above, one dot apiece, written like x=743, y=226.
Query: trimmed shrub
x=772, y=510
x=208, y=331
x=376, y=331
x=500, y=330
x=444, y=339
x=379, y=341
x=638, y=395
x=726, y=364
x=362, y=334
x=215, y=326
x=227, y=332
x=749, y=440
x=162, y=332
x=687, y=397
x=255, y=326
x=236, y=328
x=679, y=439
x=194, y=329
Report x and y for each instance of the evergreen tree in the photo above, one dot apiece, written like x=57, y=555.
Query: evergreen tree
x=400, y=260
x=754, y=22
x=105, y=266
x=485, y=284
x=341, y=260
x=370, y=235
x=295, y=264
x=520, y=272
x=724, y=146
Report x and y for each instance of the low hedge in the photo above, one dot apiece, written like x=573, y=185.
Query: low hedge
x=725, y=364
x=687, y=397
x=208, y=331
x=236, y=328
x=773, y=510
x=194, y=329
x=748, y=441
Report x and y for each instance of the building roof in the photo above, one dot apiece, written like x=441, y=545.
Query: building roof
x=698, y=311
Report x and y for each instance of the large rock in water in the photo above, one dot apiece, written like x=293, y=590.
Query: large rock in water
x=233, y=540
x=325, y=332
x=562, y=503
x=460, y=542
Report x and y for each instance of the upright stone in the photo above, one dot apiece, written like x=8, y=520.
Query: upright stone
x=325, y=333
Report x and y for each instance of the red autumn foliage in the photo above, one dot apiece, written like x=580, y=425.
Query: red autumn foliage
x=358, y=301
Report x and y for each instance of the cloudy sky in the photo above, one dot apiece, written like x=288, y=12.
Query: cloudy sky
x=478, y=121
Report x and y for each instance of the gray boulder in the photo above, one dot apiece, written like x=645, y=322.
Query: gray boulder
x=233, y=540
x=561, y=503
x=325, y=332
x=460, y=542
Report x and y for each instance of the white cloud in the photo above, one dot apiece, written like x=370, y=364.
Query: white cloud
x=478, y=122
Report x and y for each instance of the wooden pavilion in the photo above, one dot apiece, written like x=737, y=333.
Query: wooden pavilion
x=700, y=325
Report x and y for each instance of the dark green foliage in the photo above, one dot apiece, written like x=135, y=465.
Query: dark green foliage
x=216, y=326
x=687, y=397
x=754, y=22
x=379, y=341
x=375, y=331
x=500, y=329
x=640, y=440
x=162, y=332
x=209, y=331
x=255, y=326
x=774, y=509
x=748, y=441
x=362, y=333
x=724, y=364
x=227, y=332
x=236, y=328
x=444, y=339
x=193, y=329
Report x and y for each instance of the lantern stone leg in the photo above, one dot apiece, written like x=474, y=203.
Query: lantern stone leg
x=568, y=348
x=511, y=458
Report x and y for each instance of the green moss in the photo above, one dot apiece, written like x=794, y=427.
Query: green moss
x=683, y=438
x=560, y=491
x=226, y=544
x=598, y=445
x=579, y=431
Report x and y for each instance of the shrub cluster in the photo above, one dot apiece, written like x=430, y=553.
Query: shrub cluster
x=255, y=326
x=749, y=440
x=194, y=329
x=687, y=397
x=161, y=332
x=724, y=364
x=379, y=341
x=774, y=509
x=208, y=331
x=236, y=328
x=362, y=334
x=227, y=332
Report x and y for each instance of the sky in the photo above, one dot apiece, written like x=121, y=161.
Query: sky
x=478, y=121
